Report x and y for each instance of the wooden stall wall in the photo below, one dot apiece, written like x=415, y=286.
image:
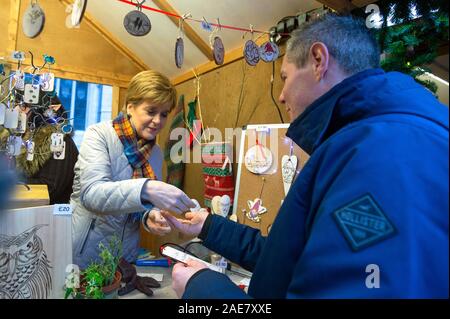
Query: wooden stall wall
x=4, y=13
x=86, y=53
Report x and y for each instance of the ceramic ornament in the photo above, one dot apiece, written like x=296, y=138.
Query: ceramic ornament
x=251, y=53
x=288, y=167
x=47, y=82
x=218, y=51
x=220, y=205
x=33, y=20
x=79, y=7
x=258, y=159
x=269, y=51
x=179, y=52
x=137, y=23
x=256, y=210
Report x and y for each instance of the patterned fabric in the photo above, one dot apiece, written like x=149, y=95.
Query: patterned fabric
x=175, y=171
x=217, y=171
x=136, y=150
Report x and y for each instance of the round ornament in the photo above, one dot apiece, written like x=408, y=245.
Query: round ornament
x=218, y=51
x=33, y=20
x=137, y=23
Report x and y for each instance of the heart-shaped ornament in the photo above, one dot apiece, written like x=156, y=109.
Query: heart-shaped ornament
x=215, y=205
x=288, y=167
x=220, y=205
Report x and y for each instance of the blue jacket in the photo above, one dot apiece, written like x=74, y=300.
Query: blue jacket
x=367, y=217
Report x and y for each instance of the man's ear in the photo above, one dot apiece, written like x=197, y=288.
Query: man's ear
x=320, y=59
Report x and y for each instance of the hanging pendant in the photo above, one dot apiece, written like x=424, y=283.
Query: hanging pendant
x=179, y=52
x=137, y=23
x=256, y=210
x=288, y=167
x=258, y=159
x=269, y=51
x=218, y=51
x=251, y=53
x=79, y=7
x=33, y=20
x=47, y=82
x=220, y=205
x=30, y=150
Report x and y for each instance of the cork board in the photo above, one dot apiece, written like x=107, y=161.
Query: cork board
x=250, y=186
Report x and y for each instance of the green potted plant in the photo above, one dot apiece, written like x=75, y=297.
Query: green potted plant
x=100, y=280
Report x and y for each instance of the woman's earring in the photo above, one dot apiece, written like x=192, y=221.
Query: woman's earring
x=129, y=115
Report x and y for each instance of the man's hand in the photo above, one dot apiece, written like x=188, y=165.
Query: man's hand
x=181, y=273
x=157, y=224
x=192, y=225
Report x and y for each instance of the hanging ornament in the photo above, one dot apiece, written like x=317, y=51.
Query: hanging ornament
x=179, y=52
x=258, y=159
x=251, y=53
x=136, y=22
x=179, y=45
x=220, y=205
x=30, y=150
x=33, y=20
x=288, y=167
x=78, y=9
x=256, y=210
x=218, y=51
x=217, y=45
x=269, y=51
x=47, y=82
x=251, y=50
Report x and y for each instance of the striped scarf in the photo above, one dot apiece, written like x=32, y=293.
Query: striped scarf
x=136, y=150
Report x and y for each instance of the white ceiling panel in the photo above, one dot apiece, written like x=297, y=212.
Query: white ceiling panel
x=156, y=49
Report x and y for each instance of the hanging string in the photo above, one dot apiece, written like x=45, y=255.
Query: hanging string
x=199, y=20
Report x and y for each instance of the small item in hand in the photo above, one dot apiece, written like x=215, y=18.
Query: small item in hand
x=197, y=205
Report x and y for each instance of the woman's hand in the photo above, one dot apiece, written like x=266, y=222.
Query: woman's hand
x=157, y=224
x=166, y=197
x=192, y=225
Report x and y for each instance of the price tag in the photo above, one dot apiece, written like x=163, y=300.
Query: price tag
x=11, y=118
x=57, y=142
x=60, y=155
x=14, y=145
x=47, y=81
x=62, y=209
x=31, y=93
x=22, y=123
x=30, y=151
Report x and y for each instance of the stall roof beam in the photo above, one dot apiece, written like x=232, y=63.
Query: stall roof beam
x=108, y=36
x=190, y=33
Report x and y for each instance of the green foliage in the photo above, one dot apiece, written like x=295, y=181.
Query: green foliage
x=413, y=42
x=99, y=274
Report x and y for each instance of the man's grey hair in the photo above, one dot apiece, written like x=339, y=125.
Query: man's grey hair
x=347, y=38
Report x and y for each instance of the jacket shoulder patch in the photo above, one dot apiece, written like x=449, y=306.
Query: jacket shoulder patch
x=363, y=223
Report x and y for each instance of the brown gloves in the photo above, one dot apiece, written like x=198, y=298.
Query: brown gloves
x=133, y=281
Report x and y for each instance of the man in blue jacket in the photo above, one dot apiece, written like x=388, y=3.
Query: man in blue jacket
x=368, y=215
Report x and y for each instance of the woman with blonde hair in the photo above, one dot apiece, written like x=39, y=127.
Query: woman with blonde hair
x=117, y=172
